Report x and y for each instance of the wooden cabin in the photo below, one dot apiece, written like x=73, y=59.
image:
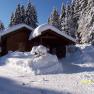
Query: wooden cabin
x=16, y=39
x=52, y=38
x=22, y=38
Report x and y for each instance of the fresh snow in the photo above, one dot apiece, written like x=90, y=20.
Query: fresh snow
x=44, y=27
x=75, y=73
x=38, y=61
x=14, y=28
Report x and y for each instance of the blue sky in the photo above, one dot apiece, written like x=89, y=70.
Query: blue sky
x=43, y=7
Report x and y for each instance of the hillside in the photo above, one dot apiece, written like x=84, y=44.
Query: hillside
x=76, y=76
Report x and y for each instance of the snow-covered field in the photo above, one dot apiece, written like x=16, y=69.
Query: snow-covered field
x=43, y=73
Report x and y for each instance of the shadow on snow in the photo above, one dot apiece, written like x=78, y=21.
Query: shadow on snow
x=8, y=86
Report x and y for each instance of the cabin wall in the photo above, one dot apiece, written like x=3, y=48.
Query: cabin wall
x=16, y=41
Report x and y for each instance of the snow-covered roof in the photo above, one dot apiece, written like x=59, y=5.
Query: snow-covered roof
x=14, y=28
x=42, y=28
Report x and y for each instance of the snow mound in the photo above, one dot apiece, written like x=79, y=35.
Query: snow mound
x=38, y=61
x=46, y=64
x=80, y=61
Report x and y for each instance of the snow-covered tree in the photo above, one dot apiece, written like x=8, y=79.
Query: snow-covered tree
x=67, y=20
x=62, y=17
x=12, y=22
x=54, y=18
x=31, y=16
x=1, y=26
x=18, y=15
x=23, y=14
x=27, y=15
x=80, y=6
x=34, y=17
x=71, y=21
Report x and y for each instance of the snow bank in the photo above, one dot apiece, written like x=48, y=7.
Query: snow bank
x=46, y=64
x=80, y=61
x=38, y=61
x=77, y=77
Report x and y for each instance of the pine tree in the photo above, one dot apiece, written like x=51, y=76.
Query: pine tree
x=17, y=19
x=67, y=19
x=12, y=20
x=18, y=16
x=62, y=17
x=31, y=16
x=23, y=14
x=1, y=26
x=72, y=22
x=26, y=15
x=54, y=19
x=79, y=6
x=34, y=16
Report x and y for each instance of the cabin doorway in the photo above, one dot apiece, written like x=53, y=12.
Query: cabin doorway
x=59, y=50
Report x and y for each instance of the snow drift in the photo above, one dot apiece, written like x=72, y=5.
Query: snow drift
x=77, y=76
x=38, y=61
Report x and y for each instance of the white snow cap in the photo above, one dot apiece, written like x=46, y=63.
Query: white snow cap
x=15, y=27
x=45, y=27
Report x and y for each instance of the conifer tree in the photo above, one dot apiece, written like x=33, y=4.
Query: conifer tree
x=23, y=14
x=27, y=15
x=54, y=19
x=78, y=6
x=31, y=16
x=18, y=15
x=34, y=17
x=12, y=22
x=62, y=17
x=67, y=19
x=72, y=22
x=1, y=26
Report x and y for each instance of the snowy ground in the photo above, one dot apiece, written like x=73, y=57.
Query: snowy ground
x=77, y=76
